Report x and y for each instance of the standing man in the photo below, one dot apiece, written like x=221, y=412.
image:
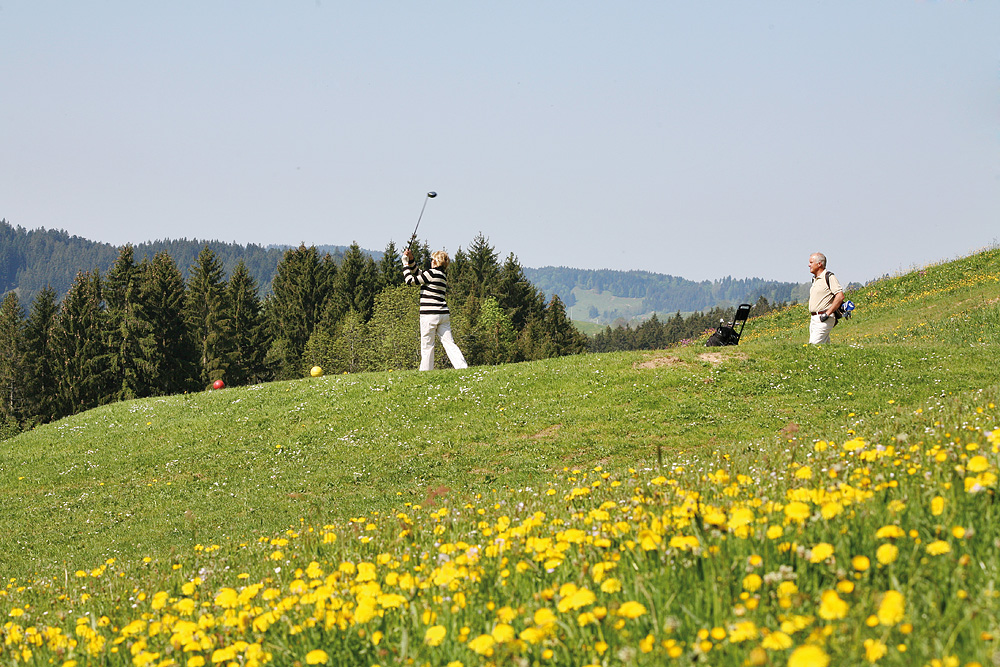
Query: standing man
x=825, y=297
x=435, y=320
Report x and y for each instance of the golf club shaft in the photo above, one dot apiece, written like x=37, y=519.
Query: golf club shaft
x=413, y=238
x=419, y=218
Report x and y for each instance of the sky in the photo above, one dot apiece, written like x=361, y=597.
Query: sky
x=698, y=139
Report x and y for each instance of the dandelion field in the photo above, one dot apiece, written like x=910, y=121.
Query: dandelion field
x=777, y=505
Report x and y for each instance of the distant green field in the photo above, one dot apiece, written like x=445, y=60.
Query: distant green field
x=589, y=328
x=766, y=504
x=604, y=302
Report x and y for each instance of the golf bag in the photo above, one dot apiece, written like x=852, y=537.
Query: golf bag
x=726, y=333
x=846, y=308
x=723, y=335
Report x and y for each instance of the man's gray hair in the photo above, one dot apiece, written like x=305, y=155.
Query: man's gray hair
x=821, y=257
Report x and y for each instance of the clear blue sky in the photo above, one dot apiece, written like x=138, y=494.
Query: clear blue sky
x=700, y=139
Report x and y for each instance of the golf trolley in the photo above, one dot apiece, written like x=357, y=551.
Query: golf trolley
x=726, y=334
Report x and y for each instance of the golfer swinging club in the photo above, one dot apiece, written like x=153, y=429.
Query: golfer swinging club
x=435, y=319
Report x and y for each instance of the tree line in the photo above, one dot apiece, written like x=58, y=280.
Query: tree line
x=31, y=260
x=654, y=334
x=142, y=329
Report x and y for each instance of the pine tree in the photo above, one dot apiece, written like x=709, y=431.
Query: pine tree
x=129, y=334
x=11, y=344
x=79, y=347
x=301, y=289
x=38, y=373
x=248, y=336
x=517, y=296
x=395, y=329
x=565, y=337
x=172, y=352
x=354, y=287
x=207, y=313
x=479, y=272
x=390, y=268
x=495, y=332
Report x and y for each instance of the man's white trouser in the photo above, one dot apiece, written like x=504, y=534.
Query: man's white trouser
x=432, y=326
x=819, y=332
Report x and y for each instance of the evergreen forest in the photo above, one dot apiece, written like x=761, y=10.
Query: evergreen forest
x=136, y=321
x=143, y=328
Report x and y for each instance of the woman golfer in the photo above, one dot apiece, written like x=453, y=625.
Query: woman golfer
x=434, y=317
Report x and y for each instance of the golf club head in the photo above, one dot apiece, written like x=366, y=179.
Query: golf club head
x=432, y=195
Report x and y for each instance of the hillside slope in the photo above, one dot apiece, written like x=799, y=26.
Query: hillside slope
x=143, y=476
x=773, y=503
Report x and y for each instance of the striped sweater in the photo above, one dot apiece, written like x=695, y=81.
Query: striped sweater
x=432, y=286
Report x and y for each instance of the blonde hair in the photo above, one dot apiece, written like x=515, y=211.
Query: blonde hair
x=440, y=258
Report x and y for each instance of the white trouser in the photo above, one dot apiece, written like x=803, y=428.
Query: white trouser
x=819, y=332
x=432, y=326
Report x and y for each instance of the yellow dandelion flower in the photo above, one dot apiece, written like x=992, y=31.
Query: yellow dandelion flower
x=743, y=631
x=544, y=617
x=861, y=563
x=579, y=598
x=684, y=542
x=506, y=614
x=821, y=552
x=808, y=656
x=938, y=547
x=831, y=509
x=503, y=633
x=483, y=645
x=890, y=611
x=777, y=641
x=646, y=644
x=532, y=635
x=317, y=657
x=831, y=607
x=752, y=582
x=435, y=635
x=227, y=598
x=740, y=517
x=977, y=464
x=958, y=532
x=886, y=554
x=611, y=585
x=631, y=609
x=937, y=505
x=224, y=654
x=874, y=650
x=797, y=511
x=889, y=531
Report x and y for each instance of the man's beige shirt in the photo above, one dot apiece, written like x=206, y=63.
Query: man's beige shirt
x=821, y=296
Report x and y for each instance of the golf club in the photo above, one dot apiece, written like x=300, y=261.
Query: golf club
x=430, y=195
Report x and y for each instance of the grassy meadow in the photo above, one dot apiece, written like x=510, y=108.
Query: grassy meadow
x=767, y=504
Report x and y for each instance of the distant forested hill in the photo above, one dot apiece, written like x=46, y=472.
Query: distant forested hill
x=32, y=259
x=657, y=292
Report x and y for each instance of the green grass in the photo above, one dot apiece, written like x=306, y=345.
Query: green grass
x=166, y=488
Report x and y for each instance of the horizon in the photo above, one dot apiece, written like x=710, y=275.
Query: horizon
x=371, y=251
